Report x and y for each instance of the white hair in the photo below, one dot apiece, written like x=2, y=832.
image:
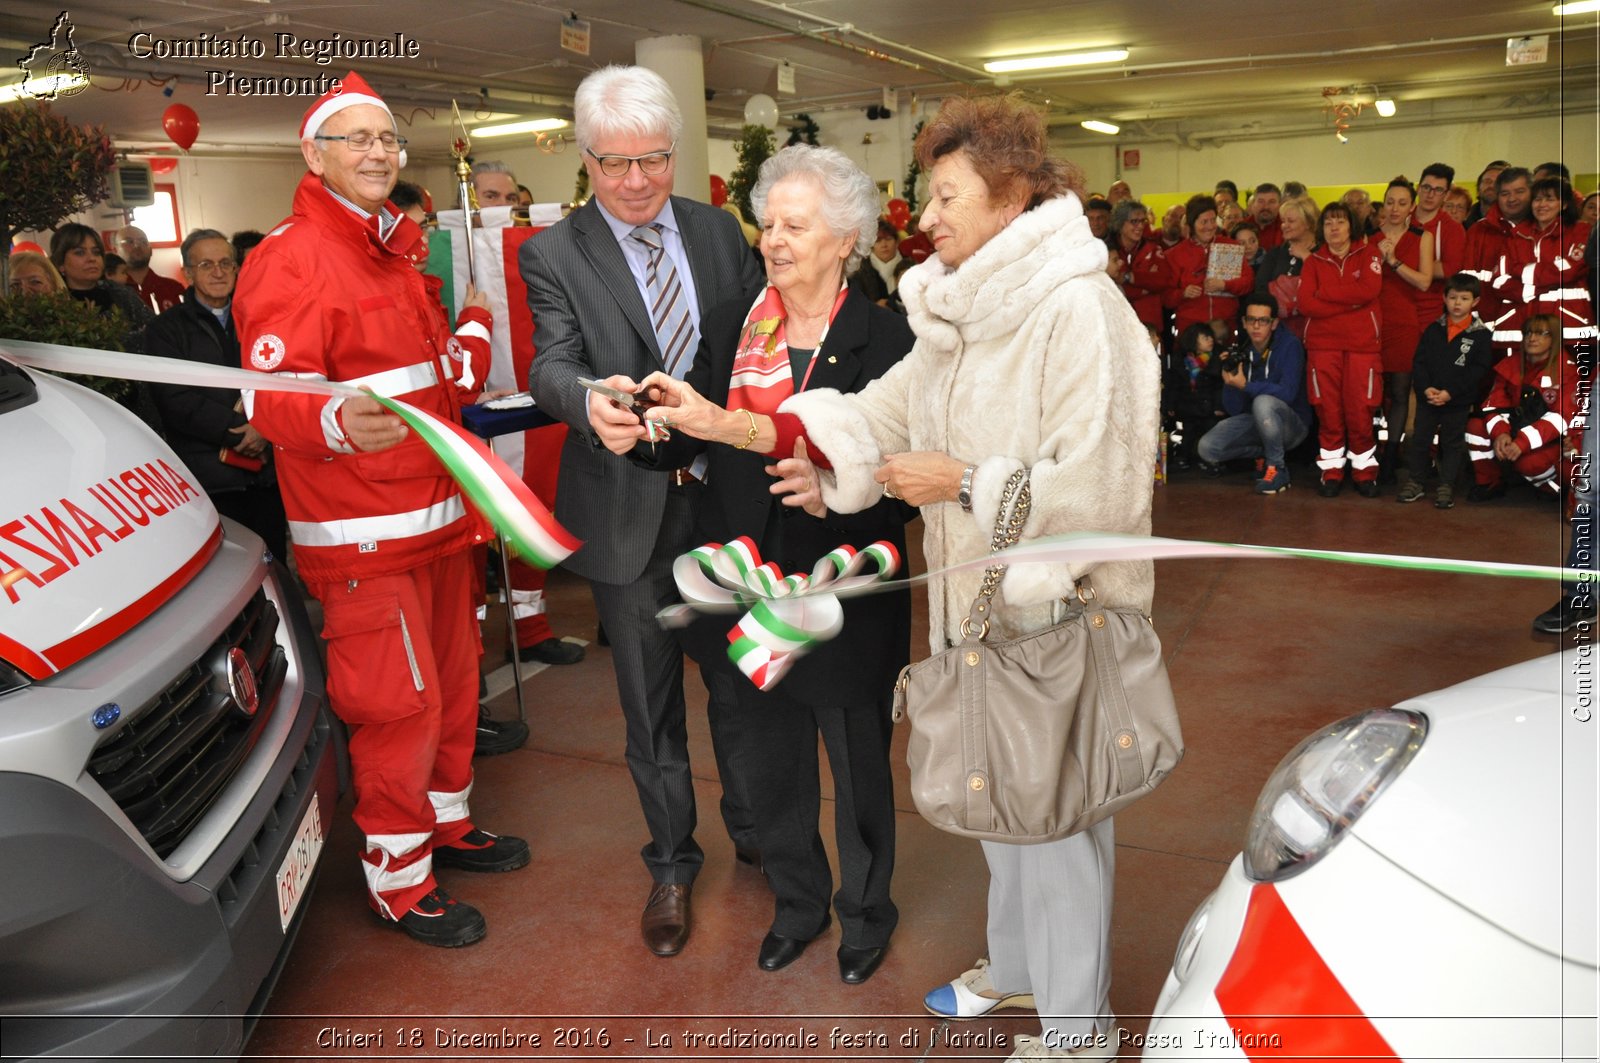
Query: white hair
x=625, y=101
x=849, y=198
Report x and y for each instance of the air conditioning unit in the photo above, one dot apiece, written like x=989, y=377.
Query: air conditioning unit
x=132, y=185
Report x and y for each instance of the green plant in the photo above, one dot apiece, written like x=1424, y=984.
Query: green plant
x=804, y=132
x=49, y=168
x=914, y=171
x=756, y=146
x=580, y=191
x=59, y=318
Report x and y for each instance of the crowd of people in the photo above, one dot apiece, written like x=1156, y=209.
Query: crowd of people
x=814, y=395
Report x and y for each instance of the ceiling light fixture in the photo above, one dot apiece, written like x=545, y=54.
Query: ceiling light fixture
x=1094, y=125
x=1579, y=7
x=1385, y=108
x=1052, y=62
x=511, y=129
x=45, y=88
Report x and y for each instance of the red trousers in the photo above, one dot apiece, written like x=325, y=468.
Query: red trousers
x=403, y=675
x=1345, y=388
x=1545, y=467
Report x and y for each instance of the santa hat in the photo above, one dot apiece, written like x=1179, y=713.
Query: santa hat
x=346, y=92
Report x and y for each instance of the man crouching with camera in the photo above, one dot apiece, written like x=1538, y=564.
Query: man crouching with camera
x=1264, y=395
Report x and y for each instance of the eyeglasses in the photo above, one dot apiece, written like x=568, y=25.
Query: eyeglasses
x=1433, y=190
x=652, y=165
x=362, y=141
x=206, y=265
x=1539, y=332
x=1258, y=320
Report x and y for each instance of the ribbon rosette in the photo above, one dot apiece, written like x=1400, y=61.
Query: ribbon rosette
x=784, y=616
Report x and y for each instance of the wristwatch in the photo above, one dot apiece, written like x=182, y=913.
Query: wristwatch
x=964, y=492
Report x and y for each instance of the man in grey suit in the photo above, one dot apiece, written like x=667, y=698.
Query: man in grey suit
x=617, y=290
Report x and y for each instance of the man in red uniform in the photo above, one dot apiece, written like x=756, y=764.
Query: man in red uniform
x=1498, y=248
x=1449, y=238
x=159, y=293
x=381, y=534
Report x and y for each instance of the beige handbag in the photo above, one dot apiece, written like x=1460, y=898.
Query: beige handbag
x=1038, y=737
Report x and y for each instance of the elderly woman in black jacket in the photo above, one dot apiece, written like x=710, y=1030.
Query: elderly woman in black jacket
x=807, y=330
x=207, y=426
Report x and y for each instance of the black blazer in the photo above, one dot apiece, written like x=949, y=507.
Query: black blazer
x=590, y=320
x=861, y=664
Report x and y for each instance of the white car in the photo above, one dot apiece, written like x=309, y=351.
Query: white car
x=1419, y=883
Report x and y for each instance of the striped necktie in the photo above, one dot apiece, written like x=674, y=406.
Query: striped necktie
x=669, y=310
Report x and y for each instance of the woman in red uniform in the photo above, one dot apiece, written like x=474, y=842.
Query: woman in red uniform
x=1339, y=295
x=1198, y=294
x=1557, y=280
x=1407, y=275
x=1138, y=262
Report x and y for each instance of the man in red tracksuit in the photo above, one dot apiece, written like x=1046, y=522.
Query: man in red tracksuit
x=1339, y=288
x=1498, y=249
x=381, y=534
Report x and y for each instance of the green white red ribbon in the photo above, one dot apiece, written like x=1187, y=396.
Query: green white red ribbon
x=500, y=495
x=784, y=616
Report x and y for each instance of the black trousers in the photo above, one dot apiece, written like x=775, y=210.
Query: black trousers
x=649, y=667
x=1451, y=424
x=774, y=735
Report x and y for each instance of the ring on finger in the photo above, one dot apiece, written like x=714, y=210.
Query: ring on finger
x=888, y=491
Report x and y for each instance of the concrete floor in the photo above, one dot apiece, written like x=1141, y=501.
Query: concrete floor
x=1260, y=652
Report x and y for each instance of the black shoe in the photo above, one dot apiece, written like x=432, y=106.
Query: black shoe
x=1367, y=488
x=1210, y=468
x=778, y=952
x=551, y=651
x=1486, y=492
x=439, y=919
x=1330, y=488
x=495, y=737
x=1564, y=616
x=857, y=965
x=478, y=850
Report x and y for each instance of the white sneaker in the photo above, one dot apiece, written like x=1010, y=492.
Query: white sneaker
x=965, y=997
x=1102, y=1047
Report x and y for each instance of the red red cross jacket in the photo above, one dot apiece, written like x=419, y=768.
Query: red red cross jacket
x=1188, y=261
x=1557, y=280
x=1496, y=252
x=1557, y=381
x=1146, y=276
x=1339, y=296
x=324, y=297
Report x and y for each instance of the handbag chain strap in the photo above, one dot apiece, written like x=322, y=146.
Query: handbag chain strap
x=1007, y=527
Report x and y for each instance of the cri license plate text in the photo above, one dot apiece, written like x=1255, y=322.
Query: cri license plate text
x=298, y=864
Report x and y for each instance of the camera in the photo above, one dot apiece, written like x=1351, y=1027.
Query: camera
x=1234, y=359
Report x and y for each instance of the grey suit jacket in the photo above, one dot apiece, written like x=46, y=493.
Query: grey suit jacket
x=590, y=320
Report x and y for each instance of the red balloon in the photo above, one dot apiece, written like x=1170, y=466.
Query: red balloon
x=182, y=125
x=26, y=245
x=900, y=214
x=719, y=191
x=163, y=164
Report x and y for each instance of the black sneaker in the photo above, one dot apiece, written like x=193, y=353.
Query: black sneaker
x=1330, y=488
x=1410, y=491
x=1486, y=492
x=495, y=737
x=1367, y=488
x=1564, y=616
x=439, y=919
x=478, y=850
x=551, y=651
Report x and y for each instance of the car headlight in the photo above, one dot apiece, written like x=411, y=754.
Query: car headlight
x=1189, y=940
x=1322, y=787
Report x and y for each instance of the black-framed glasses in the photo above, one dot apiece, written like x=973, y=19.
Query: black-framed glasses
x=653, y=164
x=1258, y=320
x=362, y=141
x=206, y=265
x=1435, y=190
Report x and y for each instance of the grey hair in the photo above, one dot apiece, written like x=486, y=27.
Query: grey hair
x=195, y=236
x=1123, y=211
x=849, y=198
x=493, y=166
x=625, y=101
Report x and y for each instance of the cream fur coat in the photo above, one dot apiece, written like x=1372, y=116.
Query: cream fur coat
x=1027, y=356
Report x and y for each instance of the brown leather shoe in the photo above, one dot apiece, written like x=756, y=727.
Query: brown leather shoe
x=665, y=922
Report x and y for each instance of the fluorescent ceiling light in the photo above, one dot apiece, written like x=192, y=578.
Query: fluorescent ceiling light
x=42, y=88
x=511, y=129
x=1096, y=126
x=1051, y=62
x=1580, y=7
x=1385, y=108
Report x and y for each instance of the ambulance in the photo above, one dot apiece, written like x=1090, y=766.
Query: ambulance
x=168, y=770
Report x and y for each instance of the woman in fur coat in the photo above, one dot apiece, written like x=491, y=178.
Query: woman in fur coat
x=1027, y=359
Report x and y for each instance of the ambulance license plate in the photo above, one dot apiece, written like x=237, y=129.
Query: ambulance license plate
x=295, y=872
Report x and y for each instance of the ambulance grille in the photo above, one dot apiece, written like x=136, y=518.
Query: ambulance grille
x=177, y=752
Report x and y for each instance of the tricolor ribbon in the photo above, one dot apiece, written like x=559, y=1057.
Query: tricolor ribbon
x=499, y=494
x=784, y=616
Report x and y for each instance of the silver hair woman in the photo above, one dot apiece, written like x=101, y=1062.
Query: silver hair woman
x=805, y=331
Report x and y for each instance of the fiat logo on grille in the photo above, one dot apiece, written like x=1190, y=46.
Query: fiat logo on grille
x=242, y=682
